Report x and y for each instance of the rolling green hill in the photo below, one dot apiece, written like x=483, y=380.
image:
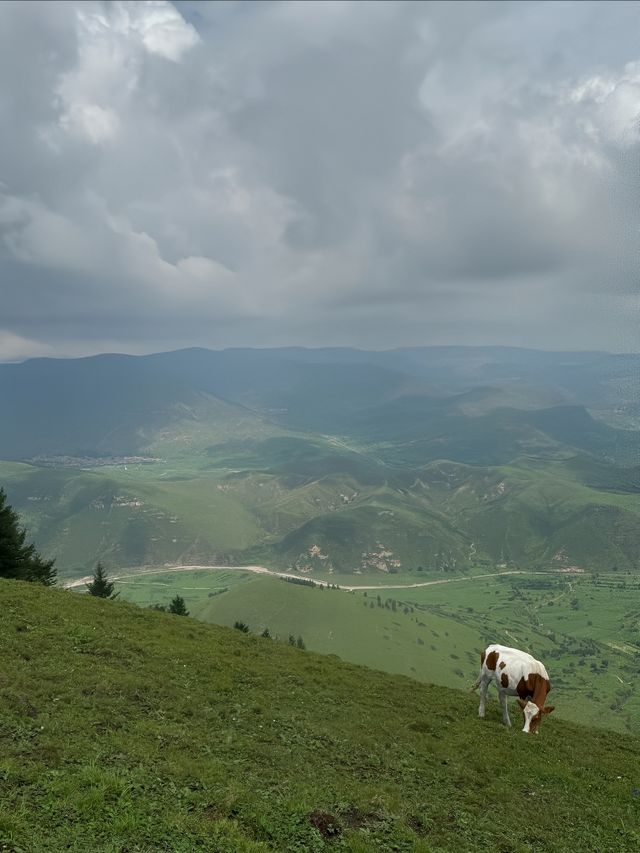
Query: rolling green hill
x=444, y=515
x=127, y=729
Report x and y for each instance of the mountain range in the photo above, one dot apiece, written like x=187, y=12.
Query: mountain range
x=327, y=460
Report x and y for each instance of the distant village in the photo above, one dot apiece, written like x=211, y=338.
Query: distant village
x=90, y=461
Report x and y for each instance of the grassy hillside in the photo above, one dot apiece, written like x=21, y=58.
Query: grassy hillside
x=333, y=621
x=127, y=729
x=586, y=629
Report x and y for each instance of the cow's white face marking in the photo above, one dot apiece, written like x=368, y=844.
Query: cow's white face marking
x=530, y=711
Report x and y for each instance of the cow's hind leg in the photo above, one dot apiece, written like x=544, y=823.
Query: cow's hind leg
x=505, y=709
x=484, y=686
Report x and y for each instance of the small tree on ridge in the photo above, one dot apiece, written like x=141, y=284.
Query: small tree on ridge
x=178, y=606
x=101, y=586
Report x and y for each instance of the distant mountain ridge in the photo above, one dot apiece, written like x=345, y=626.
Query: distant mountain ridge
x=84, y=400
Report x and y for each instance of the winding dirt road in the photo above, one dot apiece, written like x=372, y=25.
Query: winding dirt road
x=262, y=570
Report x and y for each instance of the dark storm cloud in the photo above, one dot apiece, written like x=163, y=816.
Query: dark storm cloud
x=367, y=174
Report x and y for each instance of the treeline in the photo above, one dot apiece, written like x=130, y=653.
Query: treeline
x=308, y=582
x=176, y=605
x=267, y=635
x=389, y=604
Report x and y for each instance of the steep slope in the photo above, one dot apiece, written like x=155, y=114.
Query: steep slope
x=131, y=729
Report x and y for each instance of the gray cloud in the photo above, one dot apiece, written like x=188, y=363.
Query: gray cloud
x=366, y=174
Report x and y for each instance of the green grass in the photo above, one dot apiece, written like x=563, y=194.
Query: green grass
x=336, y=622
x=586, y=629
x=127, y=729
x=197, y=587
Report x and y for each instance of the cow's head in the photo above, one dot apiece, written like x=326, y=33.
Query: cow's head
x=533, y=715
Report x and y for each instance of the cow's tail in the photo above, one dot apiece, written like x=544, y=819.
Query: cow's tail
x=476, y=685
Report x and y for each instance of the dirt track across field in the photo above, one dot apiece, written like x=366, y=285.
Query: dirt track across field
x=262, y=570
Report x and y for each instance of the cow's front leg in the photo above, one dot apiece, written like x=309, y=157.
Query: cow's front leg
x=484, y=686
x=505, y=709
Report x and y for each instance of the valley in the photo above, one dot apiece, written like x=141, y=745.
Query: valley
x=456, y=496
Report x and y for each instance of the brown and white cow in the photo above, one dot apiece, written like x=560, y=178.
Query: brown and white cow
x=515, y=673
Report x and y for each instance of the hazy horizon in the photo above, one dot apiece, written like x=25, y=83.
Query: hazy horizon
x=365, y=350
x=319, y=174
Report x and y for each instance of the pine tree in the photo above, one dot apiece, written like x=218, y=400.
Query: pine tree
x=178, y=606
x=17, y=559
x=101, y=586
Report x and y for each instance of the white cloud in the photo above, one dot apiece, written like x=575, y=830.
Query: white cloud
x=16, y=348
x=613, y=103
x=158, y=25
x=99, y=124
x=112, y=41
x=34, y=234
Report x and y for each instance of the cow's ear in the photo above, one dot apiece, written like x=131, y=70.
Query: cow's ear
x=522, y=703
x=548, y=709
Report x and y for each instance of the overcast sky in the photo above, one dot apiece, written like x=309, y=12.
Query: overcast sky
x=331, y=173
